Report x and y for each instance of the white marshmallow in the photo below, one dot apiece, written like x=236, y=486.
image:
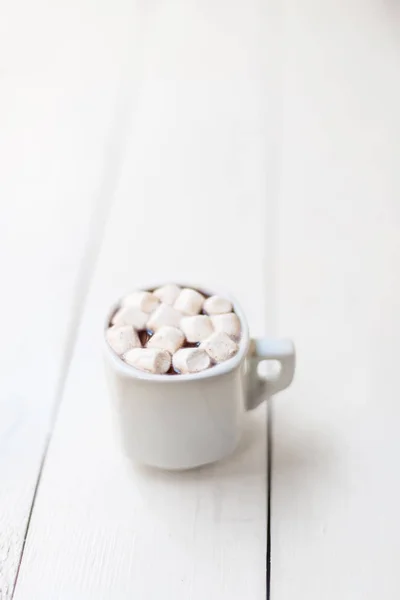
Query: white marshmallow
x=228, y=323
x=130, y=315
x=190, y=360
x=164, y=315
x=219, y=346
x=167, y=293
x=144, y=301
x=122, y=339
x=216, y=305
x=197, y=328
x=167, y=338
x=189, y=302
x=151, y=360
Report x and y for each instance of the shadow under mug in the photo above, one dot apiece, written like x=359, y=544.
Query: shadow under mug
x=185, y=421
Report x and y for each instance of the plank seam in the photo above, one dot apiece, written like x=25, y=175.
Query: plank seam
x=276, y=121
x=113, y=155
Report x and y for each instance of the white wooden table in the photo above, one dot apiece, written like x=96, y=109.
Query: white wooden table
x=269, y=131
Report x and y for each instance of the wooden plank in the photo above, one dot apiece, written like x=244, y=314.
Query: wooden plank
x=191, y=205
x=59, y=94
x=335, y=477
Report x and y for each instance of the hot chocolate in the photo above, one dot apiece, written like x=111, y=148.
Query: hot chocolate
x=174, y=330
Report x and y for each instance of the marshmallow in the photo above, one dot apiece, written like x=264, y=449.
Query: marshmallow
x=189, y=302
x=167, y=338
x=219, y=346
x=164, y=315
x=130, y=315
x=216, y=305
x=122, y=339
x=190, y=360
x=167, y=293
x=197, y=328
x=144, y=301
x=151, y=360
x=228, y=323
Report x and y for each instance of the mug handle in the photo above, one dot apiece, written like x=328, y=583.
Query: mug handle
x=268, y=349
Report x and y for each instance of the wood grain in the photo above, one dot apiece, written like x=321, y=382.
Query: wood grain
x=191, y=204
x=335, y=478
x=59, y=109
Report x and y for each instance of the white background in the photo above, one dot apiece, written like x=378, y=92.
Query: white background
x=252, y=146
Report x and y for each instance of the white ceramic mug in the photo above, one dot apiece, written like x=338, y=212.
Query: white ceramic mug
x=184, y=421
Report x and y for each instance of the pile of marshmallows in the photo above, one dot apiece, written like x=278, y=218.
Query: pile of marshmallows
x=171, y=314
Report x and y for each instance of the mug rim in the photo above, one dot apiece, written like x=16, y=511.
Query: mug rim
x=216, y=370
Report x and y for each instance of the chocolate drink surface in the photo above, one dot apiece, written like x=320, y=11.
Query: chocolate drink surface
x=174, y=330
